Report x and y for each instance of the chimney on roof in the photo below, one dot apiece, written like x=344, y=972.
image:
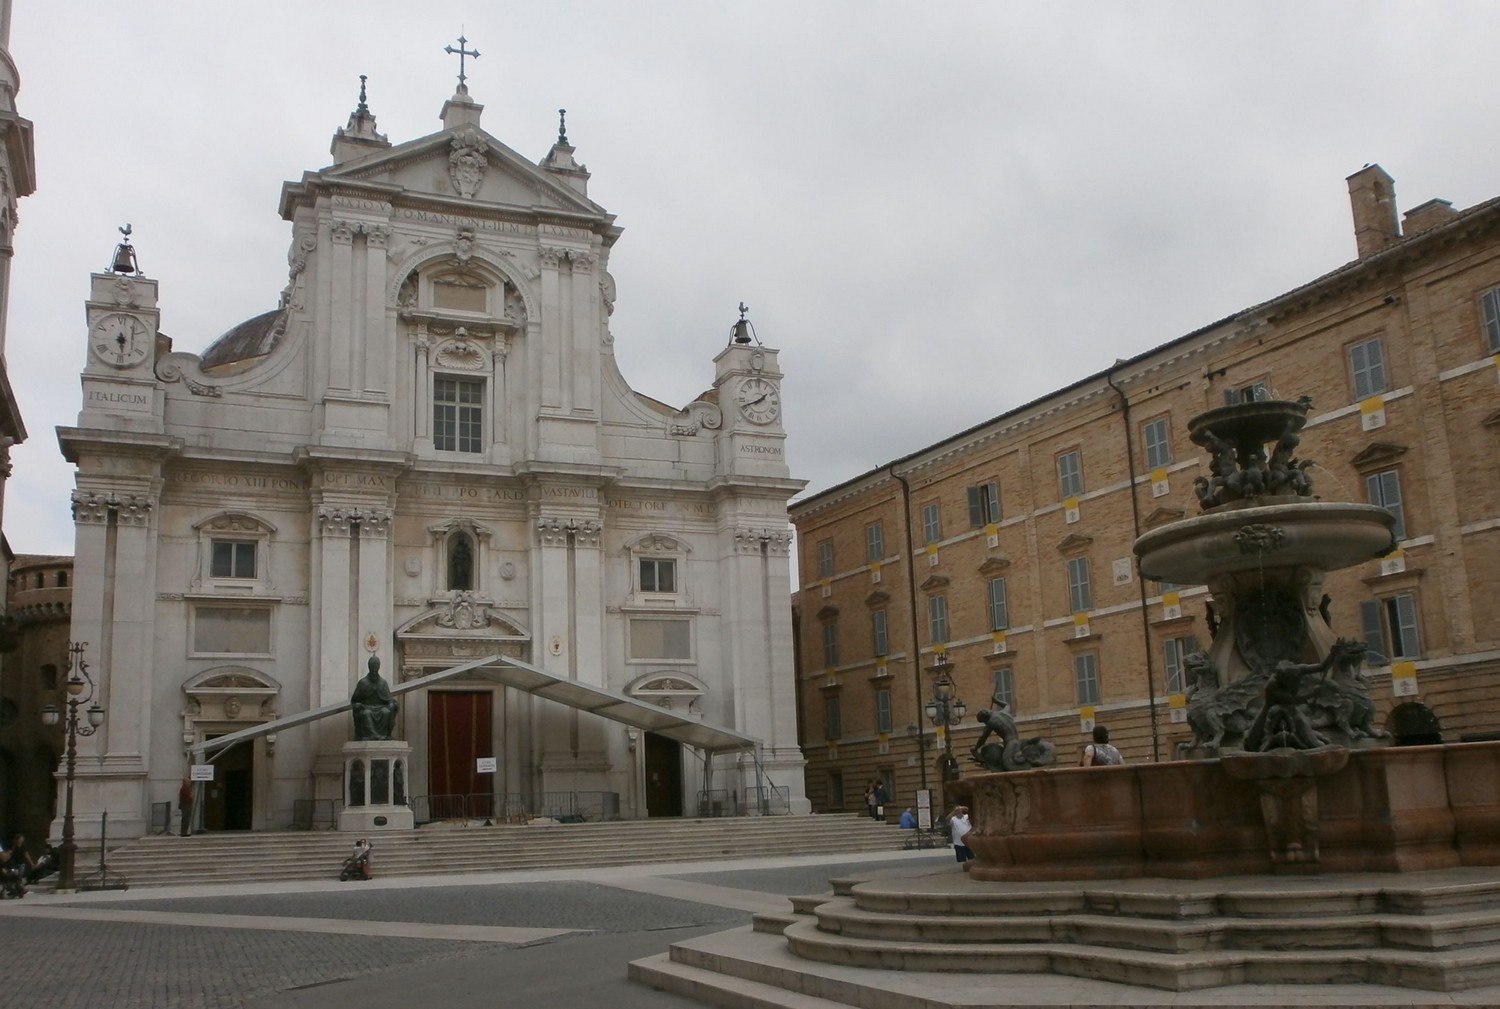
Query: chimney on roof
x=1372, y=196
x=1428, y=215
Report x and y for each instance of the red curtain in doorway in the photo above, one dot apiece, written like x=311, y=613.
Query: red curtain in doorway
x=458, y=733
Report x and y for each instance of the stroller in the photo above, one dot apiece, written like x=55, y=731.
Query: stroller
x=12, y=878
x=357, y=865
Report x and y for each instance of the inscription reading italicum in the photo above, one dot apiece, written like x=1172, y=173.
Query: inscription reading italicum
x=119, y=398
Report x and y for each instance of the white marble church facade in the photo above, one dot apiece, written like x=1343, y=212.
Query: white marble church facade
x=428, y=451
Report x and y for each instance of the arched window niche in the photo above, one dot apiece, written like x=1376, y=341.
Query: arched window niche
x=461, y=554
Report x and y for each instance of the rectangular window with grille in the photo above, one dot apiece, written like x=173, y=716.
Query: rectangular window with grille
x=932, y=522
x=233, y=559
x=874, y=543
x=937, y=619
x=1385, y=490
x=458, y=414
x=1367, y=368
x=1390, y=628
x=1005, y=687
x=880, y=638
x=883, y=710
x=830, y=644
x=999, y=609
x=984, y=504
x=1156, y=435
x=1080, y=595
x=1086, y=678
x=1070, y=475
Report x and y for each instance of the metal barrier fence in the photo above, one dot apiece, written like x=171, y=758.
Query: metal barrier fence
x=310, y=814
x=773, y=800
x=569, y=807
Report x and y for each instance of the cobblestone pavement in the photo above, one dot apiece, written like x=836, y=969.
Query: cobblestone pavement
x=543, y=938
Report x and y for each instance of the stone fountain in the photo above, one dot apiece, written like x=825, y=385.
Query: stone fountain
x=1266, y=859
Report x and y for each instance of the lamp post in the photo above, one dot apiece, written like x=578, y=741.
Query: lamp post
x=945, y=710
x=80, y=688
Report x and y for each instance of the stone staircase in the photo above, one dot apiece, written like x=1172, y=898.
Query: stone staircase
x=941, y=939
x=293, y=855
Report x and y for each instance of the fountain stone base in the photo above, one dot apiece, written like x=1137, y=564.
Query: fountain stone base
x=1392, y=809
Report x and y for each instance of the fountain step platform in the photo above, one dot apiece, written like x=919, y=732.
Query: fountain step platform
x=1358, y=939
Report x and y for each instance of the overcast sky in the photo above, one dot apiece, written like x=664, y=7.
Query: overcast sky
x=935, y=211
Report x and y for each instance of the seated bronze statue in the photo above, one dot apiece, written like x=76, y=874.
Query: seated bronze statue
x=373, y=707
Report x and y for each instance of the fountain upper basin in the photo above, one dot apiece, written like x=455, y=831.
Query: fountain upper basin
x=1293, y=532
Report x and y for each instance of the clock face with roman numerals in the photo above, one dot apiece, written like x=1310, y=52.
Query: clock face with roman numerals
x=120, y=340
x=759, y=400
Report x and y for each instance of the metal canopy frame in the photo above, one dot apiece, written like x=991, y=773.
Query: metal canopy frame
x=512, y=672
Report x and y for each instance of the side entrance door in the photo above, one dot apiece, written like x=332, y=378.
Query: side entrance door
x=663, y=776
x=229, y=800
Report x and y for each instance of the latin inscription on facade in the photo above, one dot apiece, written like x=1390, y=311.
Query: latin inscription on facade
x=659, y=507
x=759, y=448
x=460, y=492
x=120, y=399
x=247, y=481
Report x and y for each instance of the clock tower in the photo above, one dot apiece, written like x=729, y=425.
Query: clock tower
x=748, y=382
x=120, y=390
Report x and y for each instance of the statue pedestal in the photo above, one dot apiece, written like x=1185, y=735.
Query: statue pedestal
x=375, y=779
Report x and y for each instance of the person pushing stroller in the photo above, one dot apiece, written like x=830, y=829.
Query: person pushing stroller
x=357, y=865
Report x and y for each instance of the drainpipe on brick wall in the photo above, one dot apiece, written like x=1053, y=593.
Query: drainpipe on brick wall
x=916, y=646
x=1135, y=517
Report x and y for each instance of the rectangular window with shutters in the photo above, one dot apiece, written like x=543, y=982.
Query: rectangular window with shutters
x=830, y=644
x=874, y=543
x=1489, y=310
x=233, y=559
x=1390, y=628
x=1255, y=392
x=880, y=638
x=1384, y=489
x=1080, y=595
x=1156, y=436
x=1069, y=475
x=825, y=559
x=1086, y=678
x=882, y=710
x=1367, y=369
x=1176, y=649
x=999, y=609
x=833, y=718
x=932, y=522
x=458, y=414
x=937, y=619
x=984, y=504
x=1005, y=688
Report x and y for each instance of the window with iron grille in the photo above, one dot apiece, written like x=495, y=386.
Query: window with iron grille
x=458, y=414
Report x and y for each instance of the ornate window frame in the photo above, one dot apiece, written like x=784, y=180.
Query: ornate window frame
x=234, y=526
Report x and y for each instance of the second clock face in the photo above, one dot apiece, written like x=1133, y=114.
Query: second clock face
x=120, y=340
x=759, y=401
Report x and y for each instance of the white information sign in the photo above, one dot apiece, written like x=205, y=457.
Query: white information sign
x=486, y=765
x=202, y=772
x=924, y=808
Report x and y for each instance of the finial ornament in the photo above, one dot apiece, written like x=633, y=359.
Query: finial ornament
x=562, y=126
x=363, y=109
x=742, y=330
x=461, y=52
x=124, y=261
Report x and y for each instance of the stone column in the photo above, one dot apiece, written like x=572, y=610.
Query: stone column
x=584, y=338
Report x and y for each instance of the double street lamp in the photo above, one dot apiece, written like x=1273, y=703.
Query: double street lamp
x=81, y=688
x=945, y=710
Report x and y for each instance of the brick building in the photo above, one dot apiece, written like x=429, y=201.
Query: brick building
x=1021, y=528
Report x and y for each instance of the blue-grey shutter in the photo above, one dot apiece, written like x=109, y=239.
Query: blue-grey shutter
x=1369, y=617
x=976, y=506
x=1404, y=635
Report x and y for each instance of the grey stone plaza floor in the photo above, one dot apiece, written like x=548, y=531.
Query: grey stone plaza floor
x=538, y=939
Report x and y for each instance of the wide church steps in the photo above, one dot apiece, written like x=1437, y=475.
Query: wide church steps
x=944, y=940
x=236, y=857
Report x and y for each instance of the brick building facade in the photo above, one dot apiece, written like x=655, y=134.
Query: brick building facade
x=1021, y=527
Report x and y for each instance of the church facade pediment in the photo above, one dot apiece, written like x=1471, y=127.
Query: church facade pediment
x=465, y=615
